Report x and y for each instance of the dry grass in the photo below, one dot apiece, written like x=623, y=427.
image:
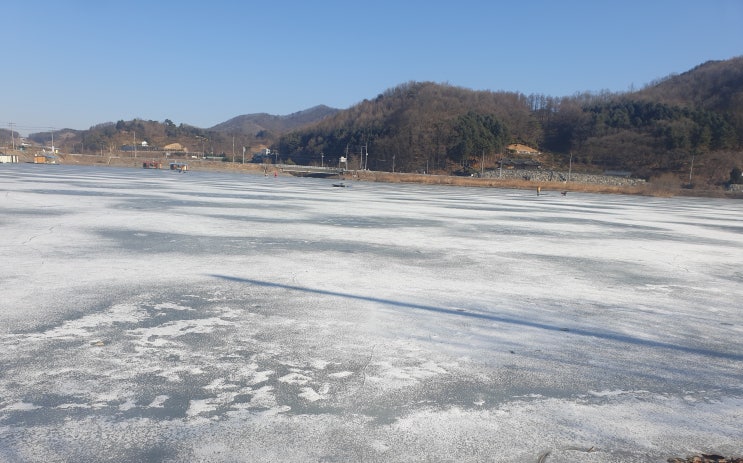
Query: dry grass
x=506, y=183
x=196, y=164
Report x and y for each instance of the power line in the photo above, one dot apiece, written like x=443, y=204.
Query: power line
x=32, y=127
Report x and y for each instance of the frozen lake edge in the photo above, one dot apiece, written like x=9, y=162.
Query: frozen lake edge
x=153, y=316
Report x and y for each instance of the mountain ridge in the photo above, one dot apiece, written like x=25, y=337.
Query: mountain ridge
x=256, y=122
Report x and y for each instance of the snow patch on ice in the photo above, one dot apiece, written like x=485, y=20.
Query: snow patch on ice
x=128, y=405
x=310, y=395
x=319, y=364
x=20, y=406
x=613, y=393
x=88, y=325
x=180, y=328
x=159, y=401
x=295, y=378
x=164, y=306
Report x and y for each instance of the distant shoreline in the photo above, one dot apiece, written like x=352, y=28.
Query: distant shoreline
x=647, y=189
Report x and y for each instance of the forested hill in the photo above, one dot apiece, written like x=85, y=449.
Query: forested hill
x=418, y=124
x=714, y=86
x=424, y=126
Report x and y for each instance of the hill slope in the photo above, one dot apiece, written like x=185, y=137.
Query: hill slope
x=255, y=123
x=714, y=86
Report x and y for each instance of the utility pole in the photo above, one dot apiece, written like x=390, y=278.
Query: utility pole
x=135, y=143
x=691, y=170
x=363, y=151
x=570, y=167
x=233, y=149
x=12, y=135
x=243, y=155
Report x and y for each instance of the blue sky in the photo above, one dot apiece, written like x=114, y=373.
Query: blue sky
x=74, y=64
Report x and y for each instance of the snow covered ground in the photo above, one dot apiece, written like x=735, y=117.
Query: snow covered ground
x=148, y=315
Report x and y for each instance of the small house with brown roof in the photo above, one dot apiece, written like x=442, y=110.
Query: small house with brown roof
x=174, y=147
x=518, y=148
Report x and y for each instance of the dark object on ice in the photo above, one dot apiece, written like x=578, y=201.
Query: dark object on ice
x=339, y=185
x=564, y=193
x=179, y=166
x=543, y=456
x=706, y=458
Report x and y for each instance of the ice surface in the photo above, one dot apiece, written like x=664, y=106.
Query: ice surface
x=152, y=316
